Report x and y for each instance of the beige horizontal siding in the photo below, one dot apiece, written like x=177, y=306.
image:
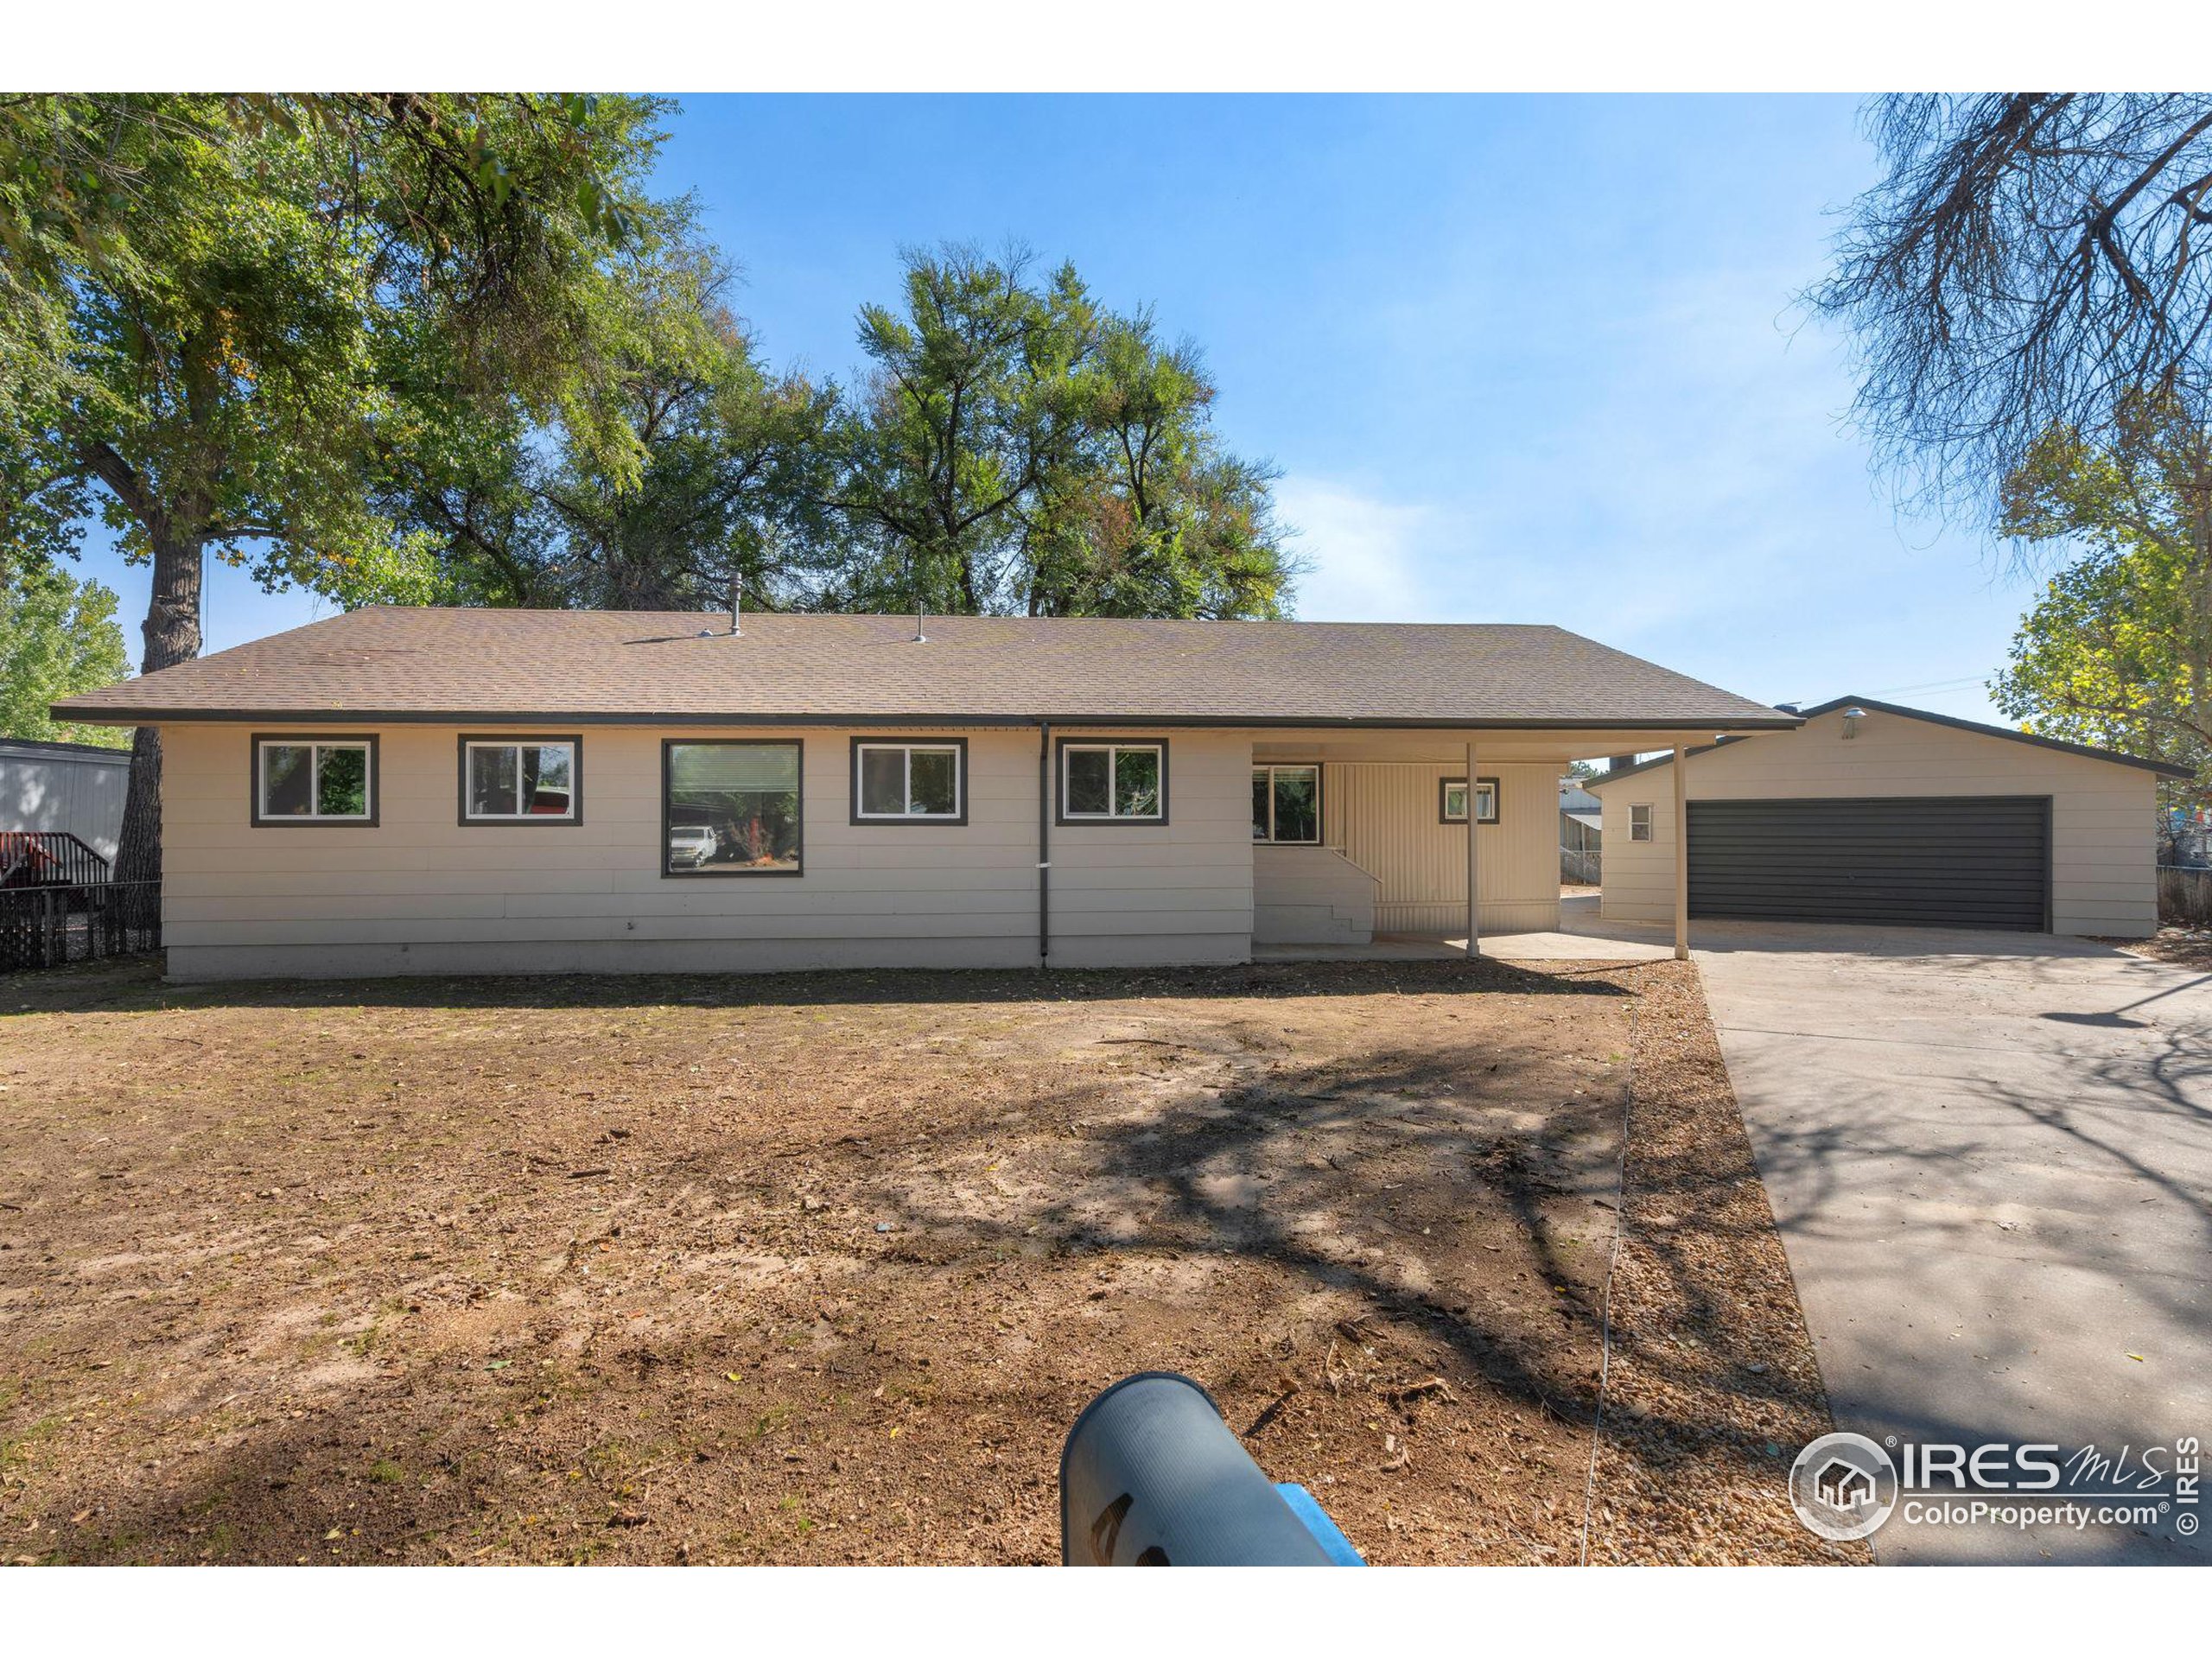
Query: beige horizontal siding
x=421, y=892
x=2103, y=815
x=1310, y=895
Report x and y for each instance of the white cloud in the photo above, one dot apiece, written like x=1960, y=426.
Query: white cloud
x=1366, y=553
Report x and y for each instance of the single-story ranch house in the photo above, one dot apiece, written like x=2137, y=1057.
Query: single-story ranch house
x=426, y=791
x=1873, y=813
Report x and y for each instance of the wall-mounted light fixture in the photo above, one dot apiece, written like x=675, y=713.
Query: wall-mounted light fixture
x=1851, y=717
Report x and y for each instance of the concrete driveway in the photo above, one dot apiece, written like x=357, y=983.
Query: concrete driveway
x=1991, y=1157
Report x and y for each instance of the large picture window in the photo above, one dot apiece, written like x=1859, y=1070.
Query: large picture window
x=910, y=783
x=1452, y=800
x=1113, y=782
x=313, y=780
x=730, y=806
x=1287, y=805
x=521, y=780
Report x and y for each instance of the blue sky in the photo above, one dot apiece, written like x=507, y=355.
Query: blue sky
x=1529, y=359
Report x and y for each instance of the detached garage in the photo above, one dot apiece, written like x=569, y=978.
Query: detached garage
x=1876, y=814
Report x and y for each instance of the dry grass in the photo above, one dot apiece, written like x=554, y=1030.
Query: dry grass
x=819, y=1269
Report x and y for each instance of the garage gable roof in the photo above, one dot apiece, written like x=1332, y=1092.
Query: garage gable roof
x=385, y=663
x=2164, y=768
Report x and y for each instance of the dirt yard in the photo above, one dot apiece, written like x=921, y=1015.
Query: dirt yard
x=820, y=1269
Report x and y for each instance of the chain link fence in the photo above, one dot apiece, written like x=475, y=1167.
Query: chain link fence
x=52, y=925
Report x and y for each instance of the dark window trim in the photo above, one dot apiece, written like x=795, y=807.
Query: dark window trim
x=1497, y=798
x=1085, y=821
x=668, y=745
x=575, y=813
x=908, y=820
x=1320, y=786
x=329, y=739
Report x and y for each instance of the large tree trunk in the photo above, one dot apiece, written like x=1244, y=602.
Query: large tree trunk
x=172, y=632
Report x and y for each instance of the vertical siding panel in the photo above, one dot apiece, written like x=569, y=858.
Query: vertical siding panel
x=58, y=789
x=1385, y=819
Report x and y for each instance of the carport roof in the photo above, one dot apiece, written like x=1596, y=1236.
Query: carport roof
x=2164, y=768
x=392, y=664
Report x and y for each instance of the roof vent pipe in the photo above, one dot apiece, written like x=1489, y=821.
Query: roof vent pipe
x=736, y=606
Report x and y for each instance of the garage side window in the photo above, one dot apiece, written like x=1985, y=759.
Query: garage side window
x=1639, y=822
x=731, y=806
x=303, y=780
x=520, y=780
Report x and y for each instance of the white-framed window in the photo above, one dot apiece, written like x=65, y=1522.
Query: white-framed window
x=1113, y=782
x=1452, y=800
x=1639, y=822
x=1287, y=805
x=313, y=779
x=521, y=780
x=910, y=783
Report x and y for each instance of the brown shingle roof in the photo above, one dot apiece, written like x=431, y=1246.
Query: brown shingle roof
x=387, y=663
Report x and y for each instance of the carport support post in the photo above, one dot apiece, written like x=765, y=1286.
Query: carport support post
x=1681, y=852
x=1474, y=910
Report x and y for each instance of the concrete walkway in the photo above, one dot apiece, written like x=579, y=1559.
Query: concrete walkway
x=1990, y=1158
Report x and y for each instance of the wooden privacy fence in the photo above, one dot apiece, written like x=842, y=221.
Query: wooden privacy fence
x=50, y=926
x=2184, y=896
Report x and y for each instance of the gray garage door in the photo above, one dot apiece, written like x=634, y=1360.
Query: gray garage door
x=1952, y=861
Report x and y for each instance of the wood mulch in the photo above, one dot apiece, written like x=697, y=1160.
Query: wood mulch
x=821, y=1268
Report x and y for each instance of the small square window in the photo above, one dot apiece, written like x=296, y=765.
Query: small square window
x=910, y=783
x=311, y=779
x=731, y=806
x=1452, y=800
x=1113, y=782
x=521, y=780
x=1639, y=823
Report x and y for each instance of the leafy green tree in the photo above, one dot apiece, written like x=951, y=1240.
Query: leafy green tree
x=727, y=490
x=58, y=637
x=1015, y=447
x=221, y=319
x=2118, y=650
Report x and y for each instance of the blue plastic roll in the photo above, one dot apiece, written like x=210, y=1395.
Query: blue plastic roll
x=1151, y=1475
